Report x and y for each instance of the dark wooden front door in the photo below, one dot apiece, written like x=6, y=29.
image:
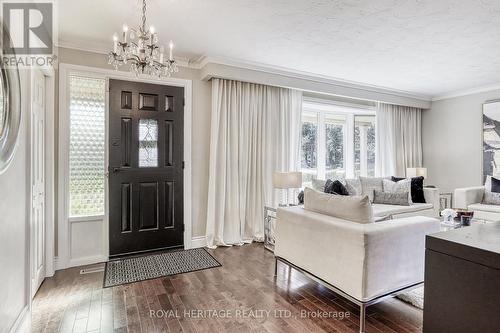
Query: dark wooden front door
x=145, y=167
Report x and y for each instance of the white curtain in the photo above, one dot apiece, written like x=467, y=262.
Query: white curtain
x=255, y=130
x=399, y=139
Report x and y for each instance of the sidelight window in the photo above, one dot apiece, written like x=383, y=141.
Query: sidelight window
x=86, y=151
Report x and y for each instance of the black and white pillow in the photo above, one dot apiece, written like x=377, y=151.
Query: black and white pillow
x=335, y=187
x=417, y=188
x=402, y=186
x=391, y=198
x=491, y=198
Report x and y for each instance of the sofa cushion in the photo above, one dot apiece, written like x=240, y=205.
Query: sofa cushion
x=352, y=208
x=384, y=210
x=417, y=188
x=485, y=208
x=318, y=185
x=491, y=198
x=402, y=186
x=353, y=186
x=370, y=184
x=335, y=187
x=391, y=198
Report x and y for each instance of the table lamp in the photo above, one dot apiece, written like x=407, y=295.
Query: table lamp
x=416, y=172
x=286, y=181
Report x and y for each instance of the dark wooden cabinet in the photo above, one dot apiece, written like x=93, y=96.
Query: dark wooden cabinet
x=462, y=280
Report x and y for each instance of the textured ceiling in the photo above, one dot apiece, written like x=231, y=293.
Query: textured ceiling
x=429, y=47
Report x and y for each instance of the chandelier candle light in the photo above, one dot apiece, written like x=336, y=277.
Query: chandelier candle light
x=139, y=48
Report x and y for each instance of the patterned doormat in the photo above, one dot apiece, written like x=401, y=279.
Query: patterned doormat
x=153, y=266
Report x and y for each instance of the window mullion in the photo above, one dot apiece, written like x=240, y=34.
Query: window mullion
x=349, y=151
x=321, y=146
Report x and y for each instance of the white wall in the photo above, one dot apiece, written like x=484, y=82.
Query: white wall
x=14, y=221
x=452, y=134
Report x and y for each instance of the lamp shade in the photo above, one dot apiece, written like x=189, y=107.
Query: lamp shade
x=416, y=172
x=286, y=180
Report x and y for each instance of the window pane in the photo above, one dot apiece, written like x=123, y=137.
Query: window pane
x=148, y=143
x=86, y=151
x=309, y=153
x=364, y=145
x=334, y=141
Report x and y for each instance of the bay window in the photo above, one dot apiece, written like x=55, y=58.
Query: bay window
x=337, y=141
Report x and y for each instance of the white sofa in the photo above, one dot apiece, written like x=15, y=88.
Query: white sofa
x=363, y=262
x=429, y=208
x=470, y=198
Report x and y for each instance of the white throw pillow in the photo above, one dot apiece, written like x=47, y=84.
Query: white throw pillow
x=318, y=185
x=352, y=208
x=371, y=184
x=353, y=186
x=402, y=186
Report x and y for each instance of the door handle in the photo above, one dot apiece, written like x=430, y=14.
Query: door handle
x=117, y=169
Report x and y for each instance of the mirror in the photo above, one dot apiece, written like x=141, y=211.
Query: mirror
x=3, y=109
x=10, y=112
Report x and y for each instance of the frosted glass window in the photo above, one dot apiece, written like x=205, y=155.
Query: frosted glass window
x=148, y=143
x=86, y=152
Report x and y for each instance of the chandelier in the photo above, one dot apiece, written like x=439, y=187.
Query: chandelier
x=139, y=48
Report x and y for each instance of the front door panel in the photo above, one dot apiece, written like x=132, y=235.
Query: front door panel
x=146, y=168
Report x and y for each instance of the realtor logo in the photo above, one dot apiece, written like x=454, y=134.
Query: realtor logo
x=27, y=28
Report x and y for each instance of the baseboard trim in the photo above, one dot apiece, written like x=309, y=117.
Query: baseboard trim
x=23, y=322
x=200, y=241
x=87, y=261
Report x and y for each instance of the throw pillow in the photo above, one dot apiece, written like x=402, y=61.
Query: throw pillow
x=300, y=198
x=402, y=186
x=491, y=198
x=351, y=208
x=353, y=186
x=370, y=184
x=318, y=184
x=391, y=198
x=417, y=189
x=495, y=185
x=335, y=187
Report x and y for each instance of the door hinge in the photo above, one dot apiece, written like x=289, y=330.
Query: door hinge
x=183, y=165
x=183, y=101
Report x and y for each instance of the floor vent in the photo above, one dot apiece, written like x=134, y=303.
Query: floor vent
x=90, y=270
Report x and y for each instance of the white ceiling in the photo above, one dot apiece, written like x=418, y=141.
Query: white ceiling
x=427, y=47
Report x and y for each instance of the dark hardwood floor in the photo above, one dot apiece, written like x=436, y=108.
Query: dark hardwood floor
x=70, y=302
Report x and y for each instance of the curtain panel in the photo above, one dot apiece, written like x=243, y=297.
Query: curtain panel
x=255, y=130
x=398, y=139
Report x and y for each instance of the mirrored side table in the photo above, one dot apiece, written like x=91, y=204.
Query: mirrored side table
x=269, y=225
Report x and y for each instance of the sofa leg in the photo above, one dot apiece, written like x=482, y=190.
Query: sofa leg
x=275, y=266
x=362, y=314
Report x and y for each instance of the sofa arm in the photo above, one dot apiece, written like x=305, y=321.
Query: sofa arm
x=431, y=195
x=395, y=252
x=463, y=197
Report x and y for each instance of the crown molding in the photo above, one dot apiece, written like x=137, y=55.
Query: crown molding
x=466, y=92
x=202, y=61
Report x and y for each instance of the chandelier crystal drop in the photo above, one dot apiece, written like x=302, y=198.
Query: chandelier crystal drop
x=139, y=48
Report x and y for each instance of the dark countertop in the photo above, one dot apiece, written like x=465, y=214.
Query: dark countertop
x=479, y=243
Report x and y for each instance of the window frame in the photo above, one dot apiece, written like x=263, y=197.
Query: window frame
x=322, y=108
